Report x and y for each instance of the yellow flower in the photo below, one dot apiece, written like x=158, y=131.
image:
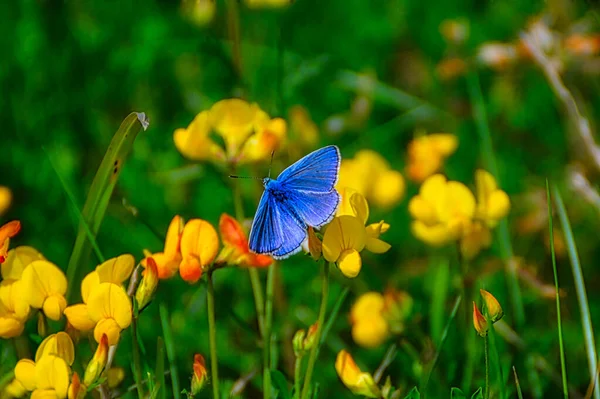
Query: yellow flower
x=199, y=376
x=195, y=143
x=427, y=153
x=167, y=262
x=305, y=131
x=109, y=308
x=44, y=286
x=199, y=247
x=59, y=344
x=443, y=211
x=270, y=136
x=493, y=204
x=7, y=231
x=343, y=240
x=479, y=321
x=354, y=204
x=369, y=327
x=15, y=389
x=5, y=199
x=77, y=390
x=201, y=12
x=360, y=383
x=14, y=308
x=492, y=305
x=268, y=3
x=396, y=309
x=47, y=378
x=369, y=174
x=17, y=259
x=476, y=237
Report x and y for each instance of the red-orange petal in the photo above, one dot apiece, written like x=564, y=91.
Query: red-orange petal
x=232, y=233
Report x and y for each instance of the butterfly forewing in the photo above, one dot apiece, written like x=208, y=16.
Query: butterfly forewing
x=293, y=232
x=315, y=209
x=317, y=172
x=265, y=234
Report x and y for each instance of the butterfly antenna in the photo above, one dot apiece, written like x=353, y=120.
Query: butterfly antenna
x=271, y=163
x=244, y=177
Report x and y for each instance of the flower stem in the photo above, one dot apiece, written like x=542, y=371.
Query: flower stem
x=486, y=392
x=212, y=334
x=321, y=319
x=137, y=363
x=268, y=321
x=297, y=375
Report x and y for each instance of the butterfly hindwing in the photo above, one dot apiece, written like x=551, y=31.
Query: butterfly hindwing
x=265, y=234
x=293, y=231
x=315, y=209
x=316, y=172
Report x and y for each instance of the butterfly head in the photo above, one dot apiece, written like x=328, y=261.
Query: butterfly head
x=267, y=181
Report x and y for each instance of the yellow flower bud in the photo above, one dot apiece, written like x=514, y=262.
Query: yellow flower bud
x=77, y=390
x=96, y=365
x=311, y=336
x=298, y=342
x=492, y=305
x=479, y=321
x=360, y=383
x=147, y=287
x=199, y=375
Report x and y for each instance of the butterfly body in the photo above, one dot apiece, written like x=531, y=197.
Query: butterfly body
x=302, y=195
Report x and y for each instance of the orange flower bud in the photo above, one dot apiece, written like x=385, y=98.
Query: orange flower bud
x=492, y=305
x=479, y=321
x=199, y=375
x=76, y=389
x=147, y=287
x=315, y=246
x=7, y=231
x=311, y=336
x=96, y=365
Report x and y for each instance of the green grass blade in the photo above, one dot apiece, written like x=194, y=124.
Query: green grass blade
x=506, y=252
x=170, y=347
x=584, y=307
x=100, y=192
x=517, y=384
x=563, y=367
x=429, y=370
x=71, y=197
x=334, y=313
x=160, y=367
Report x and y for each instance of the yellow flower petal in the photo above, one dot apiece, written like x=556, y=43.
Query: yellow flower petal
x=59, y=344
x=194, y=142
x=12, y=299
x=436, y=236
x=110, y=328
x=366, y=305
x=444, y=143
x=15, y=389
x=44, y=394
x=199, y=241
x=344, y=232
x=173, y=237
x=370, y=332
x=54, y=306
x=423, y=210
x=110, y=301
x=89, y=283
x=360, y=207
x=388, y=189
x=358, y=382
x=234, y=120
x=52, y=372
x=377, y=246
x=79, y=317
x=5, y=198
x=350, y=263
x=16, y=261
x=42, y=279
x=498, y=207
x=458, y=202
x=432, y=187
x=10, y=327
x=25, y=373
x=116, y=270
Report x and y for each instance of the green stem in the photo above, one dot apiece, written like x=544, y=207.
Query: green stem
x=486, y=391
x=137, y=363
x=267, y=333
x=297, y=376
x=212, y=335
x=321, y=319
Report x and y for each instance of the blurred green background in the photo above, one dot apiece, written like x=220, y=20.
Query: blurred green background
x=71, y=71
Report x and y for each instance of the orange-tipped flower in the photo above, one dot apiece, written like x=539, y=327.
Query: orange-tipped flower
x=359, y=382
x=167, y=262
x=199, y=246
x=147, y=287
x=492, y=305
x=479, y=321
x=96, y=365
x=311, y=336
x=199, y=375
x=7, y=231
x=235, y=241
x=77, y=390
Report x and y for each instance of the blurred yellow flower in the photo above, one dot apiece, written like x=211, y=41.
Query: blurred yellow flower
x=167, y=262
x=7, y=231
x=476, y=238
x=14, y=389
x=304, y=132
x=344, y=238
x=268, y=3
x=369, y=327
x=442, y=211
x=44, y=286
x=201, y=12
x=5, y=199
x=249, y=134
x=360, y=383
x=397, y=307
x=427, y=153
x=199, y=247
x=493, y=204
x=370, y=175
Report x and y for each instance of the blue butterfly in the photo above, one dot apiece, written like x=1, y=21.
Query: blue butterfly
x=302, y=195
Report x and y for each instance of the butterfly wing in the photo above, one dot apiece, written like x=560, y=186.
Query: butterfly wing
x=317, y=172
x=265, y=234
x=315, y=209
x=293, y=232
